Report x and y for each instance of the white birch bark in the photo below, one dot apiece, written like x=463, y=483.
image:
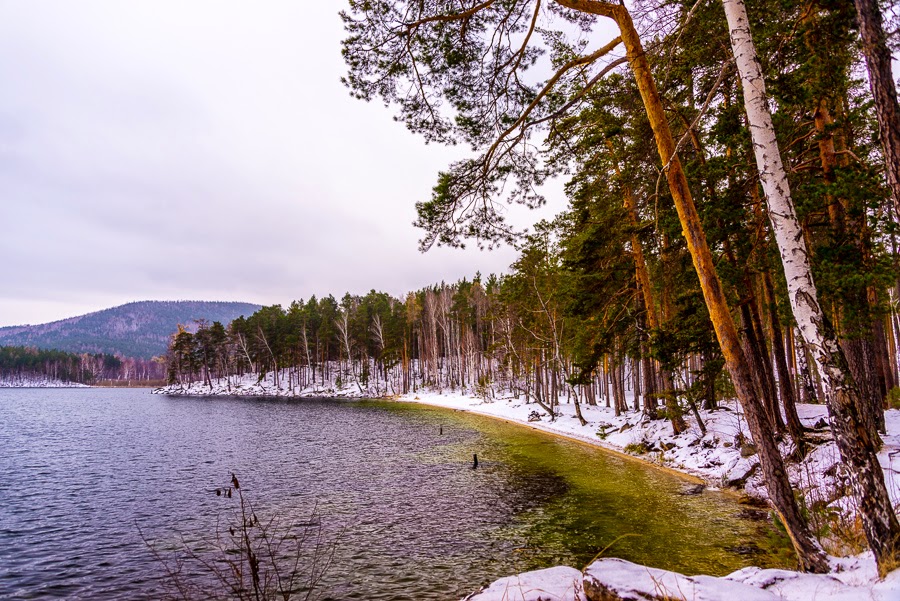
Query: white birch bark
x=785, y=225
x=309, y=367
x=841, y=393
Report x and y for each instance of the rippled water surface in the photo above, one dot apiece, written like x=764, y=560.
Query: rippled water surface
x=85, y=472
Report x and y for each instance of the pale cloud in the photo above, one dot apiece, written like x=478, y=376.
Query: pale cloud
x=203, y=150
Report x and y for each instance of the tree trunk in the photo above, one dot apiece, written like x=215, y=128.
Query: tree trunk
x=709, y=390
x=578, y=407
x=754, y=350
x=768, y=374
x=617, y=398
x=883, y=354
x=808, y=393
x=862, y=362
x=673, y=411
x=795, y=428
x=647, y=370
x=891, y=333
x=824, y=122
x=649, y=386
x=636, y=383
x=841, y=394
x=881, y=82
x=809, y=553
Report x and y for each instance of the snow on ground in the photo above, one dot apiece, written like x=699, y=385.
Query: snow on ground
x=721, y=457
x=252, y=385
x=36, y=382
x=561, y=583
x=611, y=579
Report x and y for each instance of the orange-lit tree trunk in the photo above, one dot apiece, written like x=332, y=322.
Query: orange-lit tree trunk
x=809, y=553
x=643, y=277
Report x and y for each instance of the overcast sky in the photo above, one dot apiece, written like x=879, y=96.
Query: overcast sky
x=201, y=150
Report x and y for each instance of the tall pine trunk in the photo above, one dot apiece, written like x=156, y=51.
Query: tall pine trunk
x=809, y=553
x=673, y=411
x=854, y=442
x=784, y=379
x=881, y=82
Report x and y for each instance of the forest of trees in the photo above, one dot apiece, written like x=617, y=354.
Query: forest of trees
x=734, y=184
x=753, y=150
x=20, y=364
x=546, y=331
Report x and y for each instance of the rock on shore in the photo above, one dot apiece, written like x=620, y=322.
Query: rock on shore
x=853, y=579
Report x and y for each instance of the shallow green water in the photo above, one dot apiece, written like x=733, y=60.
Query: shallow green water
x=582, y=500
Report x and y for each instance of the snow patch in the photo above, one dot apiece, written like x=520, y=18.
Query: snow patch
x=561, y=583
x=854, y=579
x=37, y=382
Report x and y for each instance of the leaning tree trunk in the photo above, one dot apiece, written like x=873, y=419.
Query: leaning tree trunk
x=881, y=82
x=854, y=442
x=810, y=555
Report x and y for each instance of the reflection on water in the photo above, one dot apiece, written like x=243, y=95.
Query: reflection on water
x=82, y=471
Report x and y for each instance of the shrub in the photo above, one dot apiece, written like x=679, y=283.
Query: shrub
x=249, y=559
x=893, y=398
x=638, y=448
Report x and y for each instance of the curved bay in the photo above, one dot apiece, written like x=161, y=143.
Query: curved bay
x=83, y=472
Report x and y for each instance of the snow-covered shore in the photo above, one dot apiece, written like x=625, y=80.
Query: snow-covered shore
x=37, y=382
x=853, y=579
x=722, y=457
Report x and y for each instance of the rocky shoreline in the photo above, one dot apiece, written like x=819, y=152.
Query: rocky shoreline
x=852, y=579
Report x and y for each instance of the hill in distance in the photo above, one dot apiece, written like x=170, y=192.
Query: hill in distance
x=140, y=329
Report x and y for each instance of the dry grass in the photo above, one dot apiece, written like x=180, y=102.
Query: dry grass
x=247, y=558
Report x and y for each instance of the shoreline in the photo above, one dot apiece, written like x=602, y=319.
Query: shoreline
x=583, y=440
x=716, y=458
x=722, y=459
x=852, y=576
x=45, y=385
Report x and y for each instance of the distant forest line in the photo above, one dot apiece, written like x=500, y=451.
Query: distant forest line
x=544, y=331
x=28, y=364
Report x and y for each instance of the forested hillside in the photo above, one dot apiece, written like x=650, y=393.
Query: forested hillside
x=139, y=330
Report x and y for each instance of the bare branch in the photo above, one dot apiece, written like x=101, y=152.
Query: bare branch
x=582, y=60
x=448, y=18
x=594, y=7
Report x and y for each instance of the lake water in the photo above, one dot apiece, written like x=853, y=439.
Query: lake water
x=87, y=474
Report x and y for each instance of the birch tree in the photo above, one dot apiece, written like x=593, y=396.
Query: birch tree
x=853, y=438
